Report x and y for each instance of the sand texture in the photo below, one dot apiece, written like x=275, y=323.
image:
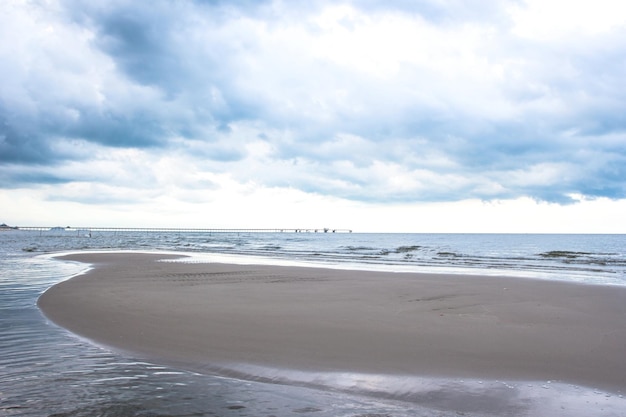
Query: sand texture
x=202, y=315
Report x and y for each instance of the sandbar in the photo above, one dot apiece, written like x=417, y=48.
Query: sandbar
x=211, y=315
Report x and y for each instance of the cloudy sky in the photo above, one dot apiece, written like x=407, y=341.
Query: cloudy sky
x=425, y=115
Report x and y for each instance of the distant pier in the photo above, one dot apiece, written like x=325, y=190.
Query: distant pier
x=81, y=231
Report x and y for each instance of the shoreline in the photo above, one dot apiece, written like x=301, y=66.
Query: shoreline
x=201, y=315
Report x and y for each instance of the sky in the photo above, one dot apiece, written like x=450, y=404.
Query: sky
x=370, y=115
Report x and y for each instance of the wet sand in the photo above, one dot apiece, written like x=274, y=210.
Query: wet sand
x=204, y=316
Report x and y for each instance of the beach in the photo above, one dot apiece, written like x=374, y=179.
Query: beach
x=212, y=316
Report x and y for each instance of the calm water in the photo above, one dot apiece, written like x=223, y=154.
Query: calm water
x=45, y=371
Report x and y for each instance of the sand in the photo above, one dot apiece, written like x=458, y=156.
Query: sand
x=209, y=316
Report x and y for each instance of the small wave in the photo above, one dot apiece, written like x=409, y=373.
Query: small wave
x=612, y=260
x=358, y=248
x=563, y=254
x=271, y=247
x=449, y=254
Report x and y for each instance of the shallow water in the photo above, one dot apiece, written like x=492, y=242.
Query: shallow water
x=46, y=371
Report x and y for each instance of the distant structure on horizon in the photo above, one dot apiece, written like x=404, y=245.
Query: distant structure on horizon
x=88, y=230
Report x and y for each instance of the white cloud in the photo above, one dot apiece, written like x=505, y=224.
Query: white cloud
x=550, y=20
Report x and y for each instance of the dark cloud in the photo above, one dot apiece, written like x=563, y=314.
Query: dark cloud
x=143, y=42
x=138, y=129
x=33, y=141
x=18, y=145
x=10, y=177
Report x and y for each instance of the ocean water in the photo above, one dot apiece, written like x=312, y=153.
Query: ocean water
x=46, y=371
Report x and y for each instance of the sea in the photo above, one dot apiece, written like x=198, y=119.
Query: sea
x=47, y=371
